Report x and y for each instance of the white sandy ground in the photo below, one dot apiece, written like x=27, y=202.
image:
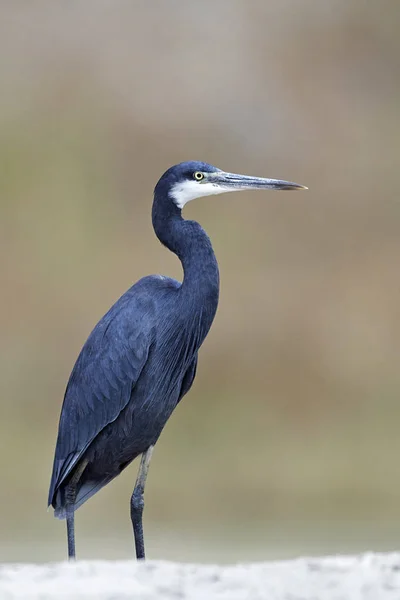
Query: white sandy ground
x=366, y=577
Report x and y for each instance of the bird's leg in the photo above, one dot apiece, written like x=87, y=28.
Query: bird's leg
x=70, y=497
x=137, y=503
x=71, y=530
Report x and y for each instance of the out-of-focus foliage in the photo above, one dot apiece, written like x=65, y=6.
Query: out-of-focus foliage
x=289, y=440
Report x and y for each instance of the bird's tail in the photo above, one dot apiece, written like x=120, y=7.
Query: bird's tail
x=86, y=491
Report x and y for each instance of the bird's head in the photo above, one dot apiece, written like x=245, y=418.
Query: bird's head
x=193, y=179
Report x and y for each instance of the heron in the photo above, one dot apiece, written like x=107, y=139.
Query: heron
x=141, y=357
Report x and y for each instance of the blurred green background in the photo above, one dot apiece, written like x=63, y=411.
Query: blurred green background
x=289, y=441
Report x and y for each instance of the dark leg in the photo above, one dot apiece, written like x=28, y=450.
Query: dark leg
x=70, y=497
x=71, y=531
x=137, y=502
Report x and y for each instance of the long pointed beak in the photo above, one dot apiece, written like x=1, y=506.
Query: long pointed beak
x=233, y=181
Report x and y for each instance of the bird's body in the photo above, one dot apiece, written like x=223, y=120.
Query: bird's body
x=131, y=374
x=139, y=361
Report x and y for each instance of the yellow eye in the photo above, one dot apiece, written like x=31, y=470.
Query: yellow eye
x=198, y=176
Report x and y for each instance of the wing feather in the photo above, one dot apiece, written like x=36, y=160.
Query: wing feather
x=102, y=380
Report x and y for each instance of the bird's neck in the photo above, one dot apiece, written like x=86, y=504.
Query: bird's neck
x=189, y=241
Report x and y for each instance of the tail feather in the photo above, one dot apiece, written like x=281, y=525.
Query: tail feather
x=86, y=491
x=61, y=469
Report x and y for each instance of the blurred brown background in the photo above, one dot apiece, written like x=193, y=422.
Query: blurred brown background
x=289, y=442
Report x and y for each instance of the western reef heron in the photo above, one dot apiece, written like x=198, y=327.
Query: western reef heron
x=140, y=359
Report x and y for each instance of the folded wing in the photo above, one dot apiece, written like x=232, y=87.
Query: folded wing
x=101, y=383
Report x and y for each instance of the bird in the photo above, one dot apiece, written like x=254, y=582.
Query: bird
x=141, y=358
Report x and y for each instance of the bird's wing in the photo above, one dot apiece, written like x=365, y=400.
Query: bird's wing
x=102, y=380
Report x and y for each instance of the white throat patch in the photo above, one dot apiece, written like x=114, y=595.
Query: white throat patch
x=185, y=191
